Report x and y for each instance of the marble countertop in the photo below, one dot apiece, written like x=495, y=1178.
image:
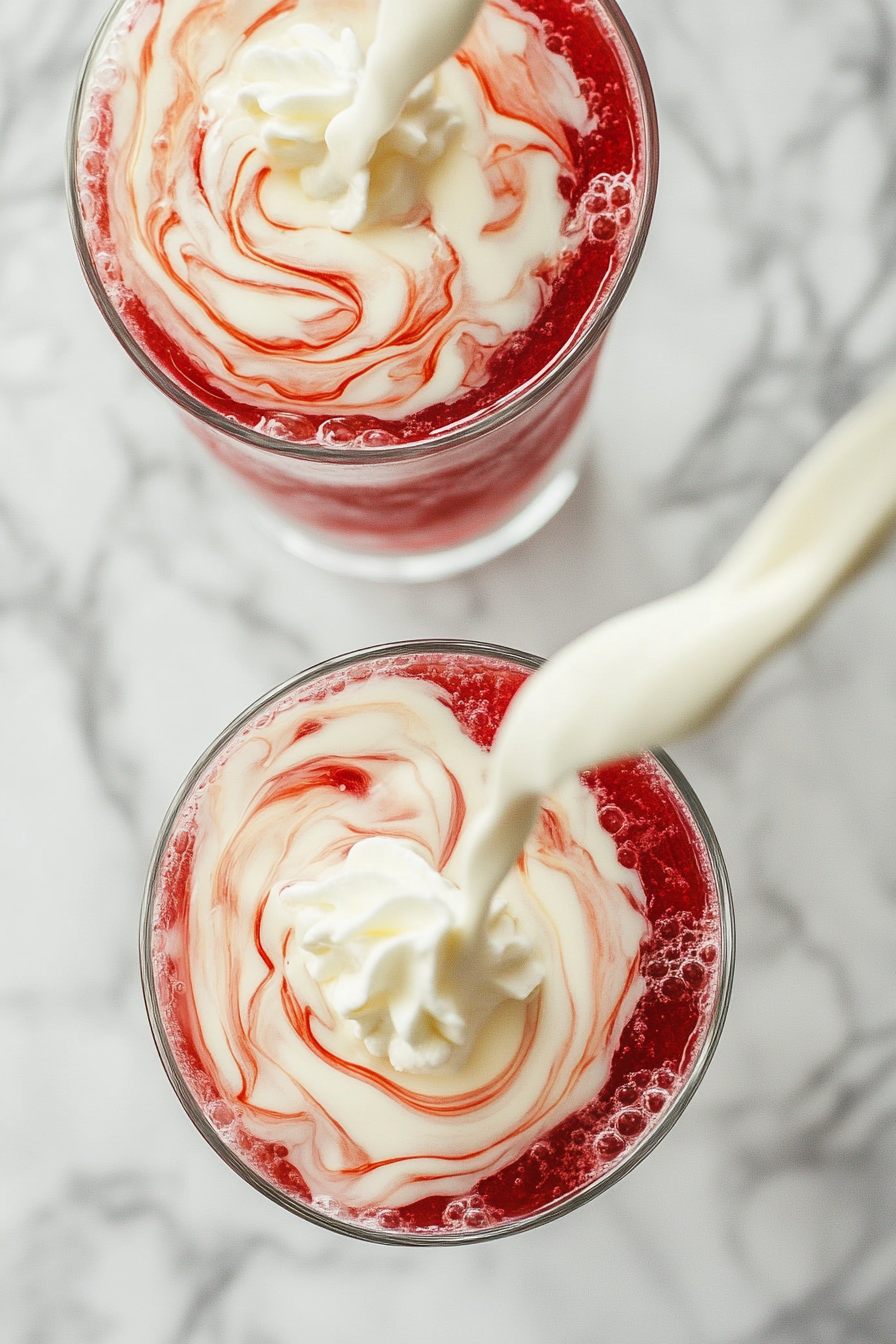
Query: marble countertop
x=139, y=611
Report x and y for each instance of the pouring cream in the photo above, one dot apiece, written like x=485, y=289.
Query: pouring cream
x=651, y=675
x=321, y=106
x=413, y=38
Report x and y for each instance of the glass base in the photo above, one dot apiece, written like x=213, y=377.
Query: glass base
x=426, y=566
x=562, y=477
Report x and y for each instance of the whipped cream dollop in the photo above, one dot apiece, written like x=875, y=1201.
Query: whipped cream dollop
x=659, y=672
x=413, y=38
x=385, y=936
x=293, y=89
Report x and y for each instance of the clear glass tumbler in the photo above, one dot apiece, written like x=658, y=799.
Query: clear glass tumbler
x=359, y=501
x=686, y=960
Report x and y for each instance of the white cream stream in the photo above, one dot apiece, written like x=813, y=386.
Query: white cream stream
x=657, y=673
x=305, y=87
x=325, y=108
x=651, y=675
x=413, y=38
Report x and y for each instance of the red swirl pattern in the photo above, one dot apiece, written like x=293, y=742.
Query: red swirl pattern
x=339, y=800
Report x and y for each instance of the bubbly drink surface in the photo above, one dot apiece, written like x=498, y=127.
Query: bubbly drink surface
x=615, y=891
x=506, y=200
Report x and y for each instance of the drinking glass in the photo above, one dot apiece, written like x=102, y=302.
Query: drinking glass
x=687, y=961
x=363, y=503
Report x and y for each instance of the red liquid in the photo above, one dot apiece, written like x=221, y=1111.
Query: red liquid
x=680, y=961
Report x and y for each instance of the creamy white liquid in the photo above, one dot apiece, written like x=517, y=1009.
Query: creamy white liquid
x=655, y=674
x=297, y=88
x=413, y=38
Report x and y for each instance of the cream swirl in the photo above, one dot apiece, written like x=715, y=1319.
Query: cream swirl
x=386, y=938
x=242, y=268
x=292, y=796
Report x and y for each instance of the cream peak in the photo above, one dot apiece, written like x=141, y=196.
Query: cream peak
x=382, y=933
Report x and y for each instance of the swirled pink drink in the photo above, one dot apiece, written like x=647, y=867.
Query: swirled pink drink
x=572, y=1068
x=462, y=275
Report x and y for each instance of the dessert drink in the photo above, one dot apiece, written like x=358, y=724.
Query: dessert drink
x=395, y=354
x=300, y=938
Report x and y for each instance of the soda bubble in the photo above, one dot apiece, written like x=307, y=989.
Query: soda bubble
x=108, y=76
x=377, y=438
x=630, y=1123
x=476, y=1218
x=612, y=819
x=694, y=974
x=335, y=434
x=610, y=1145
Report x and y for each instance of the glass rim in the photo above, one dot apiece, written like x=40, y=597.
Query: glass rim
x=565, y=1203
x=563, y=364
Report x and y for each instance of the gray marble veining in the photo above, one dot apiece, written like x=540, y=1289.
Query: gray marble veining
x=139, y=611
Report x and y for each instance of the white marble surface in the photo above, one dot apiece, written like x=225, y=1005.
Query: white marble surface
x=139, y=612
